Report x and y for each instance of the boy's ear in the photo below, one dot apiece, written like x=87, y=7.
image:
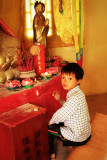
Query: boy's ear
x=79, y=81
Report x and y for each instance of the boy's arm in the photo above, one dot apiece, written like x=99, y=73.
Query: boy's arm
x=61, y=101
x=62, y=114
x=59, y=116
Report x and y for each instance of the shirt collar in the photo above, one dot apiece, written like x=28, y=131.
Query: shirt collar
x=69, y=94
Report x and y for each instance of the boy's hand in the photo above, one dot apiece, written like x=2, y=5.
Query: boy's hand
x=56, y=95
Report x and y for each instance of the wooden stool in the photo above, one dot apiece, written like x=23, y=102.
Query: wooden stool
x=96, y=148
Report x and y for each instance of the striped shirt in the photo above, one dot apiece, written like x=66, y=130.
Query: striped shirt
x=75, y=116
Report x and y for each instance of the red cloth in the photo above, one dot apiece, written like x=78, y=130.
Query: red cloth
x=56, y=62
x=80, y=61
x=6, y=29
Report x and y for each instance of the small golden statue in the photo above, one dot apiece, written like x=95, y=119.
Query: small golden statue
x=40, y=26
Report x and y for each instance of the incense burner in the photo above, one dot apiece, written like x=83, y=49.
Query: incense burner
x=26, y=74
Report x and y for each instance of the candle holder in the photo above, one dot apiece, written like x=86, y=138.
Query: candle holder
x=53, y=70
x=27, y=83
x=46, y=75
x=12, y=85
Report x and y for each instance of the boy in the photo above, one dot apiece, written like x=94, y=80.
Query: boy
x=70, y=123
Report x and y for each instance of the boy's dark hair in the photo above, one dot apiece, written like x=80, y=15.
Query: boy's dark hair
x=73, y=68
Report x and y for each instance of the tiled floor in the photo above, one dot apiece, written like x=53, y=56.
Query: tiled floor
x=96, y=103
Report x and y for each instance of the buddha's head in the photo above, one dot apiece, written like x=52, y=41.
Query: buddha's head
x=39, y=7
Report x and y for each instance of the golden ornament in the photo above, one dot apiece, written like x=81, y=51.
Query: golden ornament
x=2, y=77
x=63, y=21
x=5, y=66
x=14, y=63
x=9, y=74
x=2, y=60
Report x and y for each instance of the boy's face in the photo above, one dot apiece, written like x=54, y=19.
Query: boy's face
x=69, y=81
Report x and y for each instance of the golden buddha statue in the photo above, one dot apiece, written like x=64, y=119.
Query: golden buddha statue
x=40, y=26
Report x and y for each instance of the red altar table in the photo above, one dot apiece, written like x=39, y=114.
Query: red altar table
x=24, y=127
x=10, y=99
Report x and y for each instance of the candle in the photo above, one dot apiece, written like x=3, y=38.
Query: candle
x=37, y=97
x=37, y=93
x=35, y=81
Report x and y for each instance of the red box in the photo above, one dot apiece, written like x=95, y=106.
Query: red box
x=24, y=134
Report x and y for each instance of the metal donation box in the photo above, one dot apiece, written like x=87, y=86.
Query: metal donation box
x=24, y=134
